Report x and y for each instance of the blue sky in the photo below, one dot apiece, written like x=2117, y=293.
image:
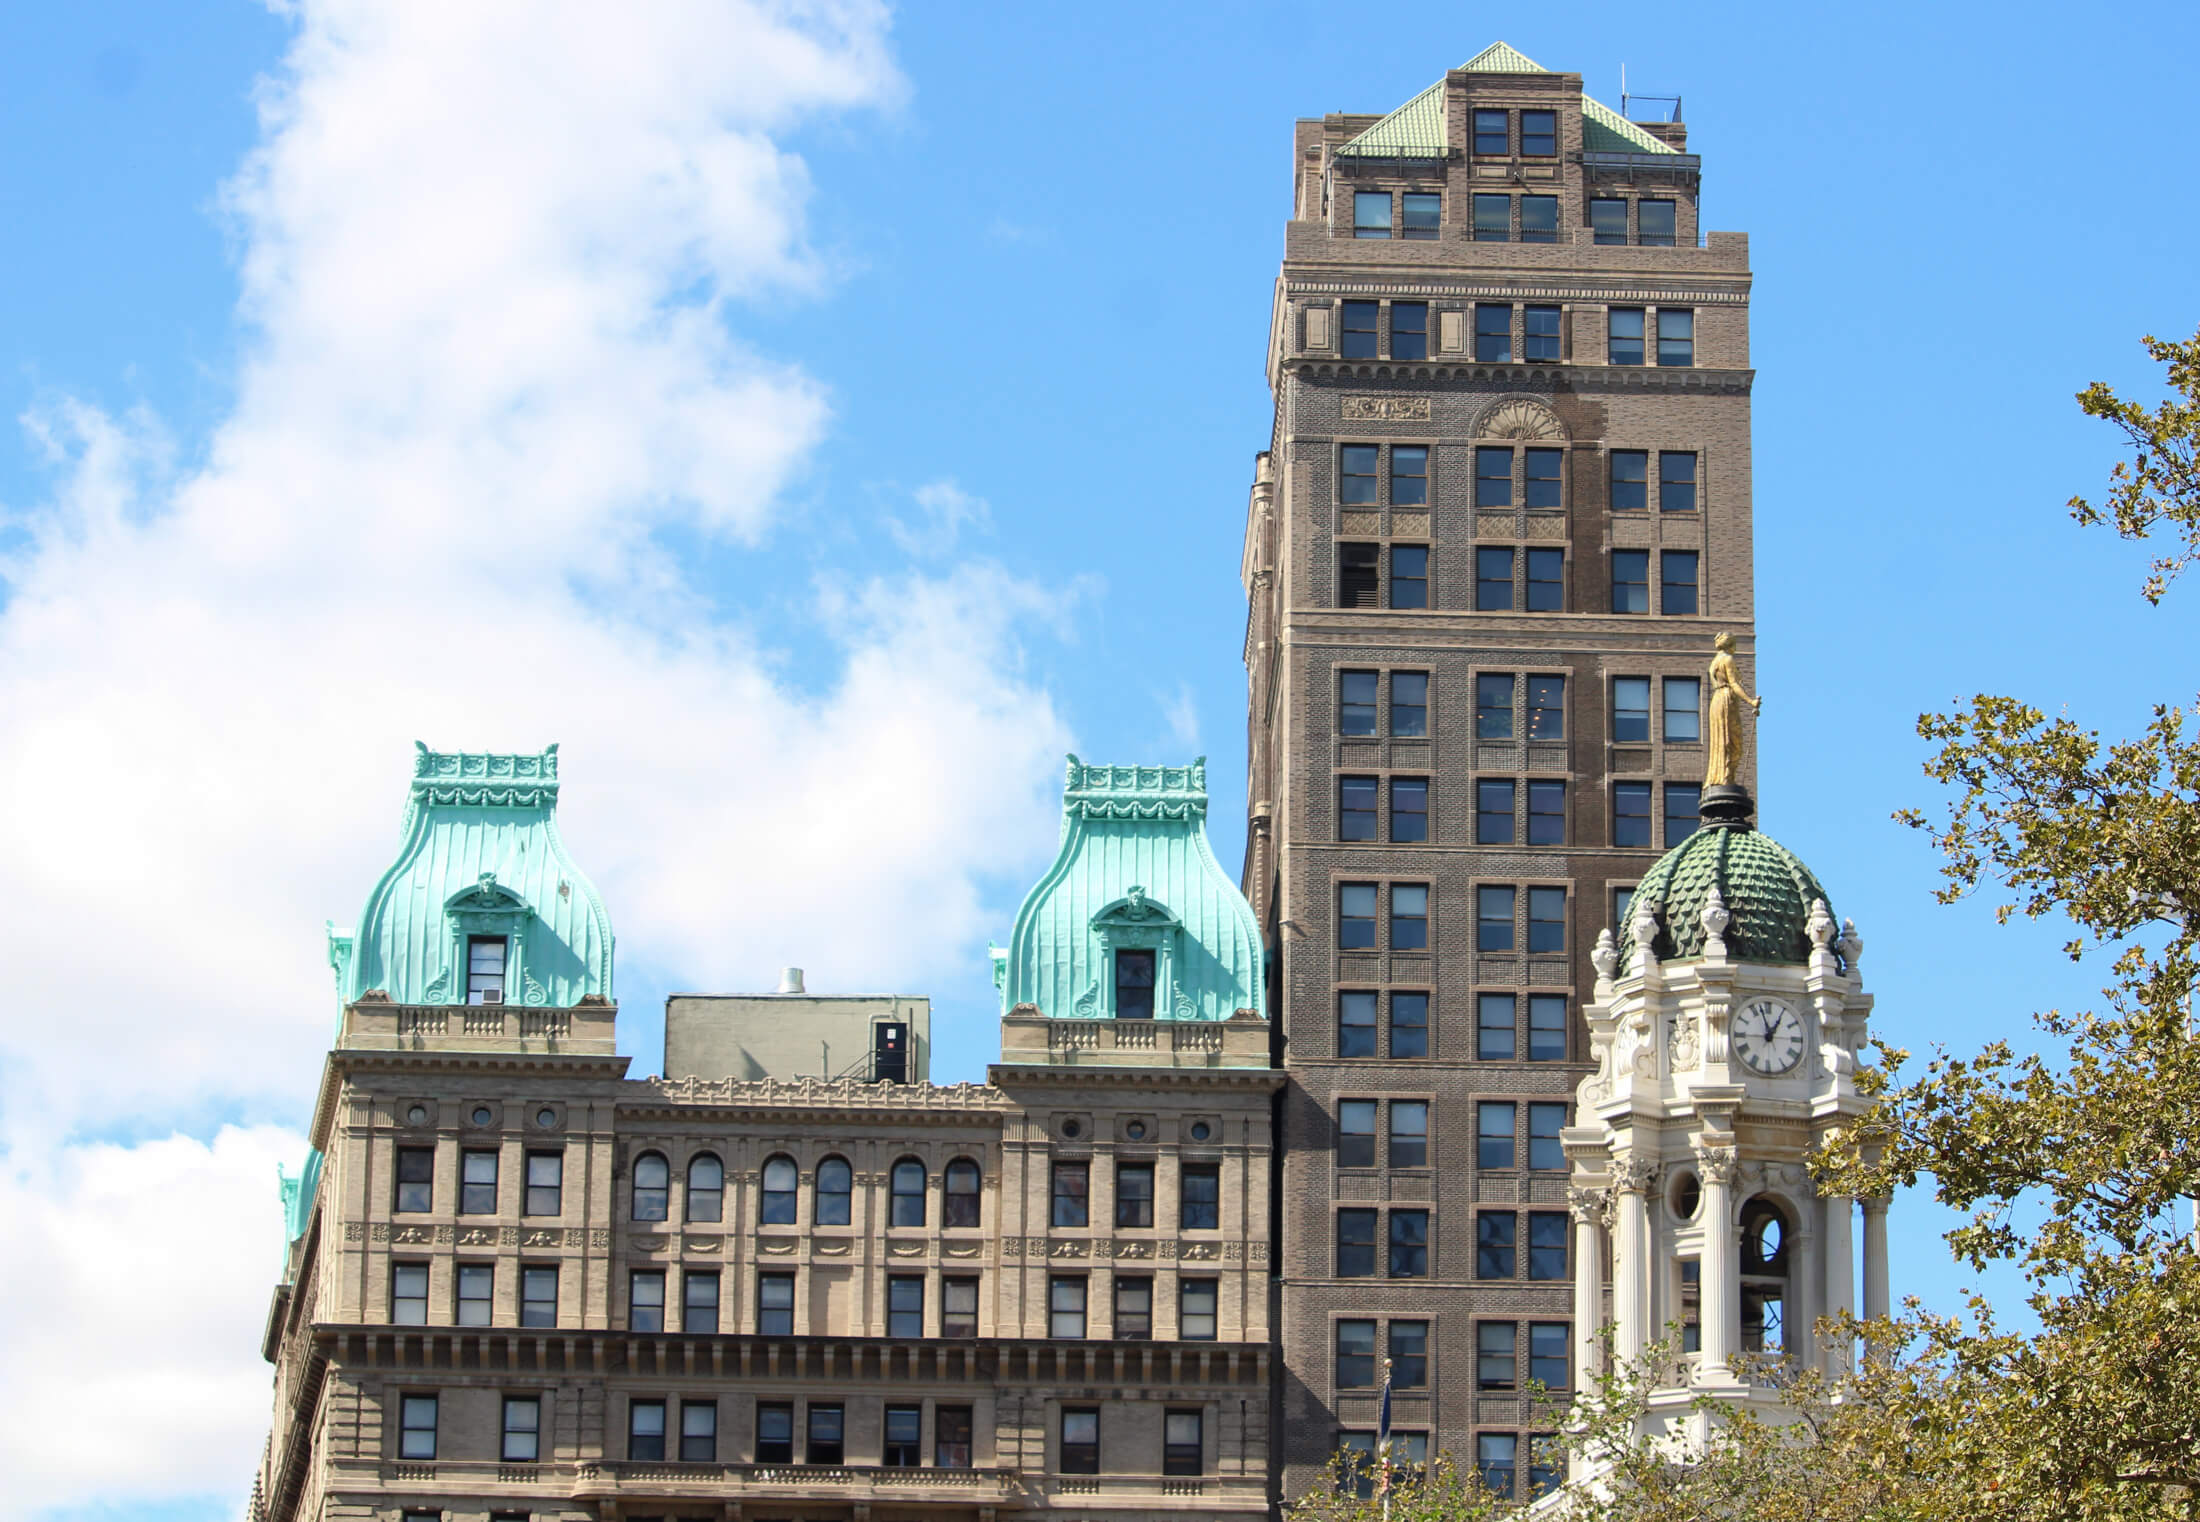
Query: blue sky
x=995, y=307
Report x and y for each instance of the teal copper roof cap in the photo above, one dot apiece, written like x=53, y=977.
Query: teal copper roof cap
x=1134, y=872
x=1416, y=129
x=481, y=856
x=299, y=1191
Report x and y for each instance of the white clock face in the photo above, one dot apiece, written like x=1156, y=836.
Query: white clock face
x=1768, y=1036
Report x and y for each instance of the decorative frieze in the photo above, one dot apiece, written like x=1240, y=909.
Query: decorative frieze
x=1386, y=409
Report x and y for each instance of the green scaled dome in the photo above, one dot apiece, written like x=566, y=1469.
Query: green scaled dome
x=1765, y=886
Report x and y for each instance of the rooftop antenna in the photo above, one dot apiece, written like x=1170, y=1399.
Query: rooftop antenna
x=1626, y=100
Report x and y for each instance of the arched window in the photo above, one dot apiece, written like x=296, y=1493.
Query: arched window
x=777, y=1208
x=962, y=1192
x=908, y=1194
x=652, y=1187
x=835, y=1188
x=1764, y=1277
x=706, y=1199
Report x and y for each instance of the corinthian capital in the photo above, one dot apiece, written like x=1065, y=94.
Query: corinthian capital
x=1586, y=1205
x=1716, y=1165
x=1633, y=1175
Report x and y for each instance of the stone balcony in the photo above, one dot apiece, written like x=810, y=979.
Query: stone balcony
x=1029, y=1038
x=373, y=1023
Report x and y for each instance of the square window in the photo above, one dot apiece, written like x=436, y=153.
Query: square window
x=1493, y=919
x=1545, y=1121
x=1683, y=804
x=903, y=1447
x=1424, y=214
x=826, y=1428
x=1408, y=1025
x=698, y=1432
x=959, y=1307
x=951, y=1437
x=1539, y=134
x=485, y=969
x=409, y=1294
x=1359, y=575
x=1493, y=132
x=415, y=1179
x=1355, y=1244
x=1356, y=808
x=1546, y=920
x=1356, y=1355
x=1356, y=692
x=1409, y=917
x=1408, y=330
x=774, y=1432
x=545, y=1183
x=477, y=1183
x=1539, y=219
x=1546, y=1244
x=1546, y=581
x=1494, y=1124
x=1409, y=1355
x=1133, y=1307
x=1630, y=581
x=1183, y=1450
x=1630, y=813
x=1195, y=1309
x=1493, y=477
x=1409, y=1244
x=1631, y=710
x=1134, y=1194
x=905, y=1305
x=1355, y=1133
x=1371, y=214
x=476, y=1293
x=1546, y=705
x=1677, y=570
x=1539, y=330
x=1546, y=1027
x=1546, y=815
x=1408, y=705
x=1408, y=809
x=1495, y=1353
x=1072, y=1192
x=1357, y=474
x=1080, y=1440
x=1657, y=223
x=1357, y=333
x=1409, y=475
x=522, y=1429
x=1066, y=1305
x=1545, y=477
x=1608, y=220
x=416, y=1427
x=645, y=1429
x=1676, y=481
x=775, y=1305
x=1493, y=342
x=1355, y=916
x=1676, y=337
x=1496, y=1460
x=698, y=1301
x=1493, y=706
x=1493, y=814
x=1409, y=576
x=1356, y=1024
x=1409, y=1133
x=1493, y=1245
x=1623, y=336
x=1493, y=579
x=645, y=1300
x=1496, y=1026
x=1549, y=1359
x=1683, y=708
x=1630, y=490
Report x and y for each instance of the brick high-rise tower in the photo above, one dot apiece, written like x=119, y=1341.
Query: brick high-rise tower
x=1504, y=511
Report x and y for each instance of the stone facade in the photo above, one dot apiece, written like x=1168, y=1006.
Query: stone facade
x=1400, y=365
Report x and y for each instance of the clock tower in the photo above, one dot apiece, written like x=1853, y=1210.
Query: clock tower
x=1725, y=1024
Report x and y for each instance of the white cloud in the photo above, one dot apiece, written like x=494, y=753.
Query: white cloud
x=491, y=255
x=1182, y=713
x=944, y=511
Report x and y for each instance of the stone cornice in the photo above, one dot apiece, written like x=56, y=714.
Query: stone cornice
x=1545, y=379
x=1073, y=1075
x=1732, y=291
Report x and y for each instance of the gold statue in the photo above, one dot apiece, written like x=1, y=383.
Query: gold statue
x=1724, y=745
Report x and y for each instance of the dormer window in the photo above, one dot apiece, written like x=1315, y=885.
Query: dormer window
x=1134, y=985
x=485, y=956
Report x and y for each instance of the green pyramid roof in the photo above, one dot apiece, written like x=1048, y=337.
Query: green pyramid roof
x=1416, y=129
x=1765, y=886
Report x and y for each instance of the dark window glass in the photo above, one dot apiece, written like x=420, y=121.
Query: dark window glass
x=1133, y=1308
x=698, y=1301
x=1676, y=337
x=1493, y=706
x=652, y=1187
x=1358, y=331
x=1545, y=1121
x=1409, y=1133
x=1630, y=813
x=1493, y=813
x=1493, y=919
x=1546, y=1464
x=1072, y=1184
x=1358, y=474
x=1356, y=1355
x=1683, y=803
x=1134, y=1194
x=1493, y=579
x=1608, y=221
x=1408, y=809
x=1408, y=1025
x=1424, y=214
x=409, y=1294
x=477, y=1184
x=545, y=1183
x=1409, y=1355
x=1356, y=808
x=775, y=1304
x=905, y=1192
x=1539, y=134
x=415, y=1178
x=1546, y=1027
x=1371, y=214
x=1409, y=917
x=1355, y=916
x=1355, y=1133
x=522, y=1429
x=698, y=1432
x=1408, y=475
x=1677, y=570
x=1195, y=1309
x=1656, y=223
x=1493, y=341
x=476, y=1293
x=645, y=1429
x=951, y=1437
x=905, y=1305
x=1408, y=705
x=538, y=1296
x=1545, y=477
x=1493, y=477
x=1496, y=1460
x=1080, y=1440
x=1409, y=1244
x=903, y=1447
x=1546, y=919
x=1409, y=1454
x=1134, y=985
x=416, y=1427
x=1549, y=1361
x=1356, y=702
x=1359, y=575
x=963, y=1181
x=1356, y=1024
x=1546, y=704
x=1494, y=1125
x=774, y=1433
x=1622, y=900
x=1183, y=1447
x=1492, y=132
x=1494, y=1345
x=485, y=969
x=836, y=1183
x=1623, y=336
x=1355, y=1244
x=706, y=1188
x=824, y=1439
x=1493, y=1245
x=1066, y=1305
x=1683, y=708
x=1546, y=1244
x=775, y=1201
x=1409, y=576
x=1408, y=331
x=1630, y=581
x=1546, y=815
x=1539, y=219
x=1540, y=333
x=1630, y=709
x=1676, y=481
x=958, y=1307
x=1630, y=480
x=645, y=1300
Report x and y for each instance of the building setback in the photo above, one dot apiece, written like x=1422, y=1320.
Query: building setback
x=1504, y=510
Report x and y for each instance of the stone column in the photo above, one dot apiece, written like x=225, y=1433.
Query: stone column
x=1839, y=1254
x=1875, y=1259
x=1632, y=1177
x=1587, y=1207
x=1719, y=1275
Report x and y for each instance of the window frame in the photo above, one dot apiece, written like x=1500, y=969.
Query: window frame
x=962, y=1208
x=414, y=1181
x=901, y=1288
x=1496, y=1245
x=1414, y=345
x=1355, y=342
x=531, y=1278
x=1488, y=1002
x=1345, y=1365
x=1408, y=825
x=528, y=1432
x=957, y=1319
x=1631, y=593
x=1496, y=1135
x=1626, y=792
x=1081, y=1455
x=1627, y=481
x=477, y=1308
x=1358, y=820
x=1349, y=1250
x=400, y=1302
x=642, y=1313
x=1403, y=703
x=1408, y=591
x=1679, y=598
x=1133, y=1322
x=775, y=1320
x=1357, y=1038
x=471, y=1199
x=908, y=1183
x=832, y=1203
x=774, y=1447
x=650, y=1201
x=1619, y=343
x=778, y=1204
x=1409, y=1244
x=1403, y=1145
x=1071, y=1206
x=1493, y=591
x=1671, y=489
x=1496, y=1355
x=1408, y=1038
x=411, y=1444
x=1347, y=942
x=699, y=1312
x=1548, y=132
x=545, y=1183
x=1134, y=1209
x=1194, y=1213
x=1180, y=1457
x=703, y=1200
x=1194, y=1324
x=639, y=1439
x=1361, y=202
x=1350, y=707
x=699, y=1447
x=824, y=1432
x=1061, y=1314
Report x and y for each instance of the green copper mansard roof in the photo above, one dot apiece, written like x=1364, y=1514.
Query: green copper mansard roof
x=1416, y=129
x=1764, y=885
x=1135, y=872
x=481, y=856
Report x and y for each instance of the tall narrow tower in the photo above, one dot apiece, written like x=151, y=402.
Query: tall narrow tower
x=1504, y=510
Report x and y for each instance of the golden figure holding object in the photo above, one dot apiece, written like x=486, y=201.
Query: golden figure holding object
x=1723, y=761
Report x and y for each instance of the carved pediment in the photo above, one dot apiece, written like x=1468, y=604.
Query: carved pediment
x=1519, y=417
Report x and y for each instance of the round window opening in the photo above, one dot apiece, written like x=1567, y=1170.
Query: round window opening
x=481, y=1115
x=1072, y=1128
x=1687, y=1196
x=1200, y=1130
x=546, y=1117
x=1136, y=1130
x=418, y=1115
